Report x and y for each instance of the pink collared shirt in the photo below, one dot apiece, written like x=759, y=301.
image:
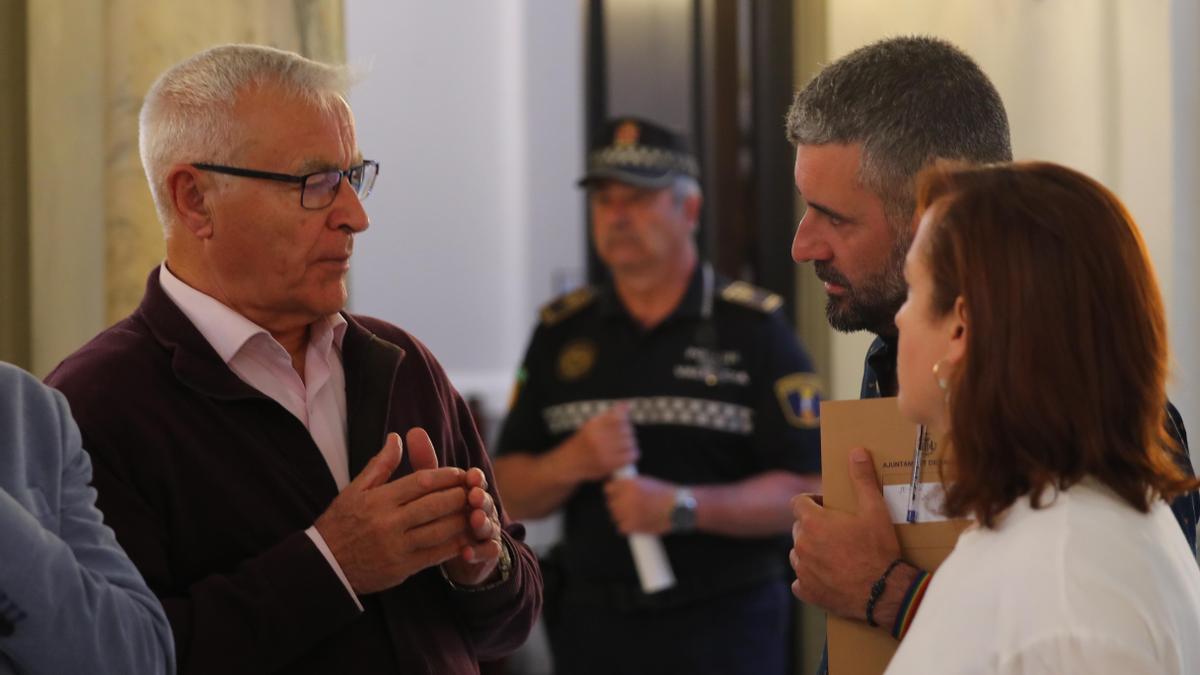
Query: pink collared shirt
x=318, y=400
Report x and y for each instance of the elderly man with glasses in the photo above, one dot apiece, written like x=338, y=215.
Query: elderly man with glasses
x=237, y=416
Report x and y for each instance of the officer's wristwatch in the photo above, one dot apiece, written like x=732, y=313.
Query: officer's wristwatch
x=683, y=514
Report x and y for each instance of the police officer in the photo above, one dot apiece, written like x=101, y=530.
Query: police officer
x=698, y=382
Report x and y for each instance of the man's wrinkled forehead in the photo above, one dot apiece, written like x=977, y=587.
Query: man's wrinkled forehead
x=291, y=127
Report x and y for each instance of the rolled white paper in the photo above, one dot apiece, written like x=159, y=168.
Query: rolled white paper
x=649, y=556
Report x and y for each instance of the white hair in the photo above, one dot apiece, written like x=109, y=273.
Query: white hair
x=684, y=186
x=187, y=114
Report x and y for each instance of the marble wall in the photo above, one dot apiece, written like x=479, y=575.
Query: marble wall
x=94, y=234
x=14, y=235
x=65, y=68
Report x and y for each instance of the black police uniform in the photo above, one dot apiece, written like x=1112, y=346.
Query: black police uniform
x=719, y=392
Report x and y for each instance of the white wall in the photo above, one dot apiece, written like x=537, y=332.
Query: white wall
x=1095, y=85
x=1185, y=132
x=67, y=157
x=474, y=109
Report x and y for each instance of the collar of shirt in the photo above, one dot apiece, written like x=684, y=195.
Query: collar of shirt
x=690, y=306
x=318, y=399
x=879, y=371
x=228, y=331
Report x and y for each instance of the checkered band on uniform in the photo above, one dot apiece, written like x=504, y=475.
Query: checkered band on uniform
x=643, y=157
x=701, y=413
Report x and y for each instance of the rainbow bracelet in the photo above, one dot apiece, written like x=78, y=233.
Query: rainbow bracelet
x=908, y=606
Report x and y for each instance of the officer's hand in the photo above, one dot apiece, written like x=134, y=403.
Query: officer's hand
x=640, y=504
x=838, y=556
x=383, y=532
x=602, y=445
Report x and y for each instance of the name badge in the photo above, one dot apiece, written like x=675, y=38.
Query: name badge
x=711, y=367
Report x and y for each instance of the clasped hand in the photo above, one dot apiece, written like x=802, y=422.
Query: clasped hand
x=381, y=532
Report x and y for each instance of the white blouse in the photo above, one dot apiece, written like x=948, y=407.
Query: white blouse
x=1085, y=584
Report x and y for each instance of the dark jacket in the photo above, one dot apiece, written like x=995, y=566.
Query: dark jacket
x=209, y=485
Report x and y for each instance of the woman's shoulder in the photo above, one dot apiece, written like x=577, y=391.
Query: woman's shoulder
x=1088, y=566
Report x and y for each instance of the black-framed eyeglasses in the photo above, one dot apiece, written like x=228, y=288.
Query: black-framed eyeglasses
x=317, y=189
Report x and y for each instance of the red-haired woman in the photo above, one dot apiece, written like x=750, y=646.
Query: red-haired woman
x=1034, y=341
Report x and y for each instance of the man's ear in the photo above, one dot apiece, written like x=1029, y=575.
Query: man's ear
x=691, y=209
x=959, y=327
x=187, y=189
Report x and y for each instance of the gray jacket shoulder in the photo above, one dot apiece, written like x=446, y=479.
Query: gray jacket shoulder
x=53, y=616
x=32, y=418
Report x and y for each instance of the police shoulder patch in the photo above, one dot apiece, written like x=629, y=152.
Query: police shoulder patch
x=799, y=396
x=576, y=359
x=748, y=295
x=518, y=384
x=566, y=305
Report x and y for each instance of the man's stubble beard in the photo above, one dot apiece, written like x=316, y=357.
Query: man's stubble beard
x=873, y=303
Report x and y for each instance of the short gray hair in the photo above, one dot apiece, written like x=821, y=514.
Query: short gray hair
x=683, y=187
x=908, y=101
x=186, y=116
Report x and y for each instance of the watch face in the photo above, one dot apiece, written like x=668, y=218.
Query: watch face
x=683, y=516
x=682, y=519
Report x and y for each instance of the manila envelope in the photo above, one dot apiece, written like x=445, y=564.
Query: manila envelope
x=877, y=425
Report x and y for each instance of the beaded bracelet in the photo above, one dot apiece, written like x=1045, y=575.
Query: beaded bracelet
x=877, y=590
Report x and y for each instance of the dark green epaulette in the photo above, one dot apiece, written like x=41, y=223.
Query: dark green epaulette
x=566, y=305
x=749, y=295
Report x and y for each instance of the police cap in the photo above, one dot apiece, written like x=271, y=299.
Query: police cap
x=639, y=152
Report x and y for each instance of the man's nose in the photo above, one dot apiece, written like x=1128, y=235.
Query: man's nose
x=612, y=215
x=809, y=244
x=348, y=209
